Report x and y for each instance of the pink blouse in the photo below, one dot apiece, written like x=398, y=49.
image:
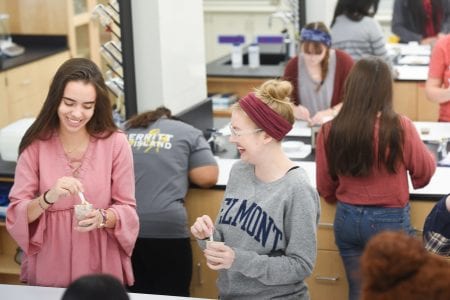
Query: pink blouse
x=54, y=253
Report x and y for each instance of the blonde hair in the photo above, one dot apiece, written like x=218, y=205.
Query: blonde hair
x=275, y=93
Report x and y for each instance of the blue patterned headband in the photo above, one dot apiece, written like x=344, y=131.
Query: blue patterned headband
x=314, y=35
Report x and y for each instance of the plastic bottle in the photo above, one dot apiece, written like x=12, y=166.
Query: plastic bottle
x=253, y=56
x=236, y=56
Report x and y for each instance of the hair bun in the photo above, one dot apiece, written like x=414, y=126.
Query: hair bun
x=276, y=90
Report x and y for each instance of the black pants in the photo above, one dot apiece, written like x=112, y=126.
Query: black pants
x=162, y=266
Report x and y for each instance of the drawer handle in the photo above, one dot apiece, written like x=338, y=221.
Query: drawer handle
x=326, y=225
x=200, y=277
x=327, y=278
x=416, y=230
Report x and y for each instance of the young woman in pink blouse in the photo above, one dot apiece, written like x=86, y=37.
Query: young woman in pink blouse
x=74, y=146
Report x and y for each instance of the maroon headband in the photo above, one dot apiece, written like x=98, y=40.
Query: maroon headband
x=266, y=118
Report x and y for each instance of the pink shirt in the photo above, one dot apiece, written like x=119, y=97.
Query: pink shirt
x=440, y=69
x=380, y=188
x=55, y=253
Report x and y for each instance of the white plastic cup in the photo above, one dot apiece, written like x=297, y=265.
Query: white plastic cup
x=236, y=56
x=81, y=210
x=253, y=56
x=213, y=243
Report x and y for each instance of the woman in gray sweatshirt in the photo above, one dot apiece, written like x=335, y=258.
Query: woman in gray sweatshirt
x=270, y=209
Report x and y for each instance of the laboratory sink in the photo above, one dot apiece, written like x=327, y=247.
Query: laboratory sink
x=265, y=59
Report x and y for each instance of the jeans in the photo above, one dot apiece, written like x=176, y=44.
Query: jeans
x=354, y=225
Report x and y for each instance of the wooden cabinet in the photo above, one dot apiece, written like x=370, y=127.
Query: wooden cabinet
x=237, y=85
x=9, y=268
x=202, y=202
x=328, y=277
x=410, y=100
x=58, y=17
x=82, y=31
x=25, y=87
x=409, y=96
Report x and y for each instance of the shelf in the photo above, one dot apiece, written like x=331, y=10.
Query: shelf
x=81, y=19
x=8, y=265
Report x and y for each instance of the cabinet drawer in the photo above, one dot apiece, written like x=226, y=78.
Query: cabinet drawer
x=419, y=212
x=22, y=81
x=325, y=237
x=203, y=283
x=328, y=278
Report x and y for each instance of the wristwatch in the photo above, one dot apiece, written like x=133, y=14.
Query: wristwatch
x=104, y=214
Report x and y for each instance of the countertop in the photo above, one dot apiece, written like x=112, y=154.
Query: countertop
x=25, y=292
x=36, y=47
x=218, y=68
x=437, y=187
x=404, y=72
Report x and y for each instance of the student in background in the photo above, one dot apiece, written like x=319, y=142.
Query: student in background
x=317, y=75
x=74, y=146
x=422, y=21
x=168, y=156
x=96, y=287
x=436, y=229
x=270, y=210
x=363, y=158
x=437, y=87
x=395, y=266
x=355, y=31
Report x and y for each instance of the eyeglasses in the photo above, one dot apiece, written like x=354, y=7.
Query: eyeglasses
x=239, y=133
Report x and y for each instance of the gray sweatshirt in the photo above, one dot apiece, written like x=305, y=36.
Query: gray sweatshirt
x=272, y=229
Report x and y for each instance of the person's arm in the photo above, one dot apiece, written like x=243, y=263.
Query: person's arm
x=326, y=186
x=434, y=87
x=203, y=169
x=418, y=160
x=205, y=176
x=122, y=220
x=435, y=92
x=291, y=74
x=378, y=42
x=398, y=25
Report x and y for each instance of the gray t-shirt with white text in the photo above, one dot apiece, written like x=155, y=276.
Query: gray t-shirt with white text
x=163, y=154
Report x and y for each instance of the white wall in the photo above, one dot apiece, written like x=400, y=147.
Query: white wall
x=320, y=10
x=243, y=18
x=253, y=19
x=169, y=51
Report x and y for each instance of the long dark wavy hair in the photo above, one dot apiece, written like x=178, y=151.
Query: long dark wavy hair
x=101, y=124
x=350, y=145
x=418, y=13
x=355, y=10
x=146, y=118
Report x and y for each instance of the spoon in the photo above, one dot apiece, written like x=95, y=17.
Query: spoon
x=83, y=199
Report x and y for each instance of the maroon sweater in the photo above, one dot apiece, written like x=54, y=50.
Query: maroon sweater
x=343, y=65
x=380, y=188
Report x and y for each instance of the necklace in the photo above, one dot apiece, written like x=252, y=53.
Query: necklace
x=68, y=151
x=77, y=148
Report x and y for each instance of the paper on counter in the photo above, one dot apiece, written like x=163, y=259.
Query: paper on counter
x=300, y=128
